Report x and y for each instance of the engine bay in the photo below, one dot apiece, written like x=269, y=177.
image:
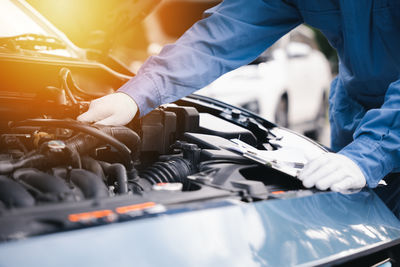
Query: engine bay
x=58, y=174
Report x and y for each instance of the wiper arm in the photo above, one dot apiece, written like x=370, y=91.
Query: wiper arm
x=32, y=41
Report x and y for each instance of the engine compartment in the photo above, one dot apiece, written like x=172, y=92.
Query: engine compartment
x=58, y=174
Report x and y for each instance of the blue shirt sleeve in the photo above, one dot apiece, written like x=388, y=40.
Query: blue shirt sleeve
x=376, y=145
x=234, y=34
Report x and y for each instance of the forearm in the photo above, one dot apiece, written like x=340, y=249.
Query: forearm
x=376, y=145
x=234, y=34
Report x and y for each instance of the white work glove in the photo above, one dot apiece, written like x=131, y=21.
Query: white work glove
x=114, y=109
x=334, y=171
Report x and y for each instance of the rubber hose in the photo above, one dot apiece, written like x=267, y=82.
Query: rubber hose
x=118, y=172
x=172, y=170
x=69, y=83
x=130, y=138
x=65, y=75
x=74, y=125
x=81, y=143
x=31, y=161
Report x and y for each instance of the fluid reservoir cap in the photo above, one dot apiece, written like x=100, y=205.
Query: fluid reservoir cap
x=235, y=113
x=56, y=145
x=168, y=187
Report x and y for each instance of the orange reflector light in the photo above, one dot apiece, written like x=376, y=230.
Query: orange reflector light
x=141, y=206
x=278, y=192
x=89, y=215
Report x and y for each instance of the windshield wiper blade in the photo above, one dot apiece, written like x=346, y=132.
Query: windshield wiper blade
x=32, y=41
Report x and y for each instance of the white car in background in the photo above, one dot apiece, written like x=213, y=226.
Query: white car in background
x=288, y=84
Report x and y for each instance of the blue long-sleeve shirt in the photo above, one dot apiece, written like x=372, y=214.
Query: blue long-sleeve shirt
x=364, y=97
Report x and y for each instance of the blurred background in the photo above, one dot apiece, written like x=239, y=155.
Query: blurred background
x=288, y=84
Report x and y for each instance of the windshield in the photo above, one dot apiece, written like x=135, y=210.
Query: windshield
x=15, y=22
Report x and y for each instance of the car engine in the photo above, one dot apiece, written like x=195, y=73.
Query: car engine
x=58, y=174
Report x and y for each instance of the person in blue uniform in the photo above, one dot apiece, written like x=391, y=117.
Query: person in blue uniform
x=364, y=97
